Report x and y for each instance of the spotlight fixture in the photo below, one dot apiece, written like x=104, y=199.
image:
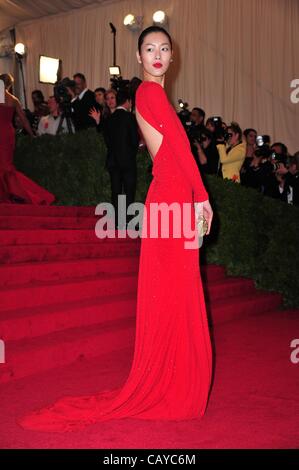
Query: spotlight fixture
x=132, y=22
x=160, y=18
x=20, y=49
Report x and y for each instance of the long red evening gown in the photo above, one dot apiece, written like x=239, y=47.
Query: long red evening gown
x=13, y=184
x=171, y=372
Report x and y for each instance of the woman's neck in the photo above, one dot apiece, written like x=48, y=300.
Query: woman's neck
x=150, y=78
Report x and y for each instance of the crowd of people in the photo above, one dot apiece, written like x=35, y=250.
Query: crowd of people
x=243, y=157
x=218, y=148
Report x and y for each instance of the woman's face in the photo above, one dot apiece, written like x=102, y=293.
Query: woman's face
x=99, y=97
x=210, y=126
x=111, y=100
x=251, y=137
x=155, y=54
x=233, y=136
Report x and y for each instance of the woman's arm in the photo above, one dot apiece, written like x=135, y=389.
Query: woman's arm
x=236, y=154
x=152, y=103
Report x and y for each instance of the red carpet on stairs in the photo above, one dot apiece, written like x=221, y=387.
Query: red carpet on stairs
x=67, y=319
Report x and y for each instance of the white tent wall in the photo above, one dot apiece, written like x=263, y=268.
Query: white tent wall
x=234, y=58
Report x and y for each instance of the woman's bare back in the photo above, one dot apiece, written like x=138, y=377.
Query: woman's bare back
x=152, y=137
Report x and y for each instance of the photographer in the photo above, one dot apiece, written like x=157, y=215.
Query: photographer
x=207, y=152
x=287, y=177
x=53, y=122
x=232, y=153
x=257, y=170
x=64, y=92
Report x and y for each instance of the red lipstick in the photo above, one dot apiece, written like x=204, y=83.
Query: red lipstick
x=158, y=65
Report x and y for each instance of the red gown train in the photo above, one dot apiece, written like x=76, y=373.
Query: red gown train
x=14, y=185
x=170, y=375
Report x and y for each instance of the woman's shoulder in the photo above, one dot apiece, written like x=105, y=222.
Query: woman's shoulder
x=10, y=99
x=150, y=85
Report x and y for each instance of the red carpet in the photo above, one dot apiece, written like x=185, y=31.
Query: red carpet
x=67, y=318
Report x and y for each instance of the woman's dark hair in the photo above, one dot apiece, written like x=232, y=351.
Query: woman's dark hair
x=39, y=95
x=247, y=132
x=152, y=29
x=100, y=88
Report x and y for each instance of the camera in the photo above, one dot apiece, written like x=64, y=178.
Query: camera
x=184, y=115
x=220, y=132
x=277, y=159
x=118, y=83
x=263, y=144
x=62, y=94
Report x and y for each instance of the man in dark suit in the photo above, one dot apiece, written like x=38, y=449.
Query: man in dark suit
x=121, y=137
x=82, y=104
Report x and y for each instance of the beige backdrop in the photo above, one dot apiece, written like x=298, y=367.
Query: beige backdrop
x=234, y=58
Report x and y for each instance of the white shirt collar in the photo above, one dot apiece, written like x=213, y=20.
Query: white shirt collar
x=121, y=107
x=82, y=93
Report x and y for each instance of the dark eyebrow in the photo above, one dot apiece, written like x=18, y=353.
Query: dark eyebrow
x=151, y=44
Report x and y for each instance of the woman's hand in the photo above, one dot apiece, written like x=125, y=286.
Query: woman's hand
x=204, y=209
x=96, y=115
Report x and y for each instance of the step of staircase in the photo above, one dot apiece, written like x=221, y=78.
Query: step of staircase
x=33, y=253
x=238, y=307
x=49, y=211
x=26, y=323
x=51, y=236
x=24, y=273
x=48, y=293
x=33, y=355
x=30, y=321
x=56, y=222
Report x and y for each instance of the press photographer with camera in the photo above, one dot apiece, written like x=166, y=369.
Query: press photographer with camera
x=257, y=170
x=232, y=151
x=64, y=93
x=207, y=152
x=54, y=123
x=284, y=184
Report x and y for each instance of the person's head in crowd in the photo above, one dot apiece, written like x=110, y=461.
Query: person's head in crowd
x=250, y=136
x=210, y=125
x=80, y=81
x=294, y=164
x=8, y=80
x=134, y=84
x=40, y=106
x=234, y=132
x=37, y=98
x=53, y=106
x=110, y=99
x=206, y=138
x=280, y=148
x=123, y=98
x=99, y=94
x=198, y=116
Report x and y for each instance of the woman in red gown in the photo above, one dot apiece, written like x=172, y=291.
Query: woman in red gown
x=171, y=372
x=14, y=186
